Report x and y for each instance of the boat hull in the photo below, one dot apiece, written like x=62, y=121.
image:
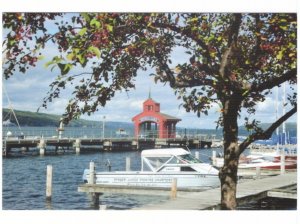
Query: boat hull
x=159, y=180
x=268, y=165
x=259, y=161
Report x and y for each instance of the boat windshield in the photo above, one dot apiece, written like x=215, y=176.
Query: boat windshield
x=189, y=158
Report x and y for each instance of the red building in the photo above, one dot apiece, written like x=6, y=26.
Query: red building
x=152, y=123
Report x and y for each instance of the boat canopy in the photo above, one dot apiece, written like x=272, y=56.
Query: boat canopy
x=164, y=152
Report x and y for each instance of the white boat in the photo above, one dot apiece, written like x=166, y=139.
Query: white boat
x=121, y=133
x=264, y=161
x=158, y=169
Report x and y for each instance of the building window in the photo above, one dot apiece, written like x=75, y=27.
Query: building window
x=150, y=107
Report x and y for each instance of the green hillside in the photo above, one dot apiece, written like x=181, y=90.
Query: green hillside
x=34, y=119
x=291, y=128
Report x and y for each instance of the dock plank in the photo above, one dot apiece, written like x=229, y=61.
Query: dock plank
x=210, y=199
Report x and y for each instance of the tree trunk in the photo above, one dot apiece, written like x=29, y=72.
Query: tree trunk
x=228, y=178
x=228, y=173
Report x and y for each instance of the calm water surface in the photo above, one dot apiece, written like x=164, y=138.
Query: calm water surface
x=24, y=181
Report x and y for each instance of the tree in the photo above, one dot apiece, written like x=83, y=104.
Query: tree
x=234, y=60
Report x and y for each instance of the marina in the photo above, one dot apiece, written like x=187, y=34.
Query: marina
x=158, y=175
x=24, y=187
x=171, y=178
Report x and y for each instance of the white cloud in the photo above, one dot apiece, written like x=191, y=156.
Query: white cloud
x=136, y=104
x=56, y=107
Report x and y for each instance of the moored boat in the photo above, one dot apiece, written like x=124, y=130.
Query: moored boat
x=268, y=165
x=158, y=169
x=121, y=133
x=263, y=161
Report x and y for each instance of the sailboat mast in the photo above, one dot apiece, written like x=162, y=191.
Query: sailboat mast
x=276, y=110
x=11, y=107
x=283, y=112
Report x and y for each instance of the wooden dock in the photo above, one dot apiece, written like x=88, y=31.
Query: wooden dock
x=190, y=199
x=246, y=191
x=106, y=144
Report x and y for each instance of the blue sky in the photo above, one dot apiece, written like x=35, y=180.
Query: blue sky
x=27, y=92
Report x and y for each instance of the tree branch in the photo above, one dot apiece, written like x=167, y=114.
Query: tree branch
x=232, y=44
x=181, y=84
x=275, y=81
x=186, y=31
x=256, y=49
x=267, y=133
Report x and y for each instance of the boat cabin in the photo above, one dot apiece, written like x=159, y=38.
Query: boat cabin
x=172, y=159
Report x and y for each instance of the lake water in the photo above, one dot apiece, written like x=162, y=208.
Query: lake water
x=24, y=183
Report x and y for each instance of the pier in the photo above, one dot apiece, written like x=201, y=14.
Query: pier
x=281, y=186
x=246, y=191
x=98, y=144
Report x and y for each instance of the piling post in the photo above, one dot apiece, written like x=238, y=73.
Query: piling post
x=92, y=173
x=174, y=188
x=107, y=145
x=197, y=155
x=135, y=144
x=282, y=162
x=61, y=128
x=77, y=145
x=127, y=163
x=258, y=172
x=4, y=148
x=4, y=152
x=49, y=183
x=214, y=157
x=42, y=146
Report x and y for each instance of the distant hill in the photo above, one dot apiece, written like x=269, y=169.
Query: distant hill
x=291, y=128
x=34, y=119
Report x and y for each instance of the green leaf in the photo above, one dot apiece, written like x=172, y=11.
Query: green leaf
x=95, y=50
x=110, y=28
x=193, y=19
x=70, y=56
x=81, y=59
x=64, y=68
x=95, y=22
x=245, y=92
x=55, y=60
x=49, y=63
x=283, y=27
x=280, y=55
x=68, y=67
x=86, y=16
x=11, y=42
x=82, y=31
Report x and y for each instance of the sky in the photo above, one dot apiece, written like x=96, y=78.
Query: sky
x=26, y=92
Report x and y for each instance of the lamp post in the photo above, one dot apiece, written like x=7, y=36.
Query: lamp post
x=103, y=126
